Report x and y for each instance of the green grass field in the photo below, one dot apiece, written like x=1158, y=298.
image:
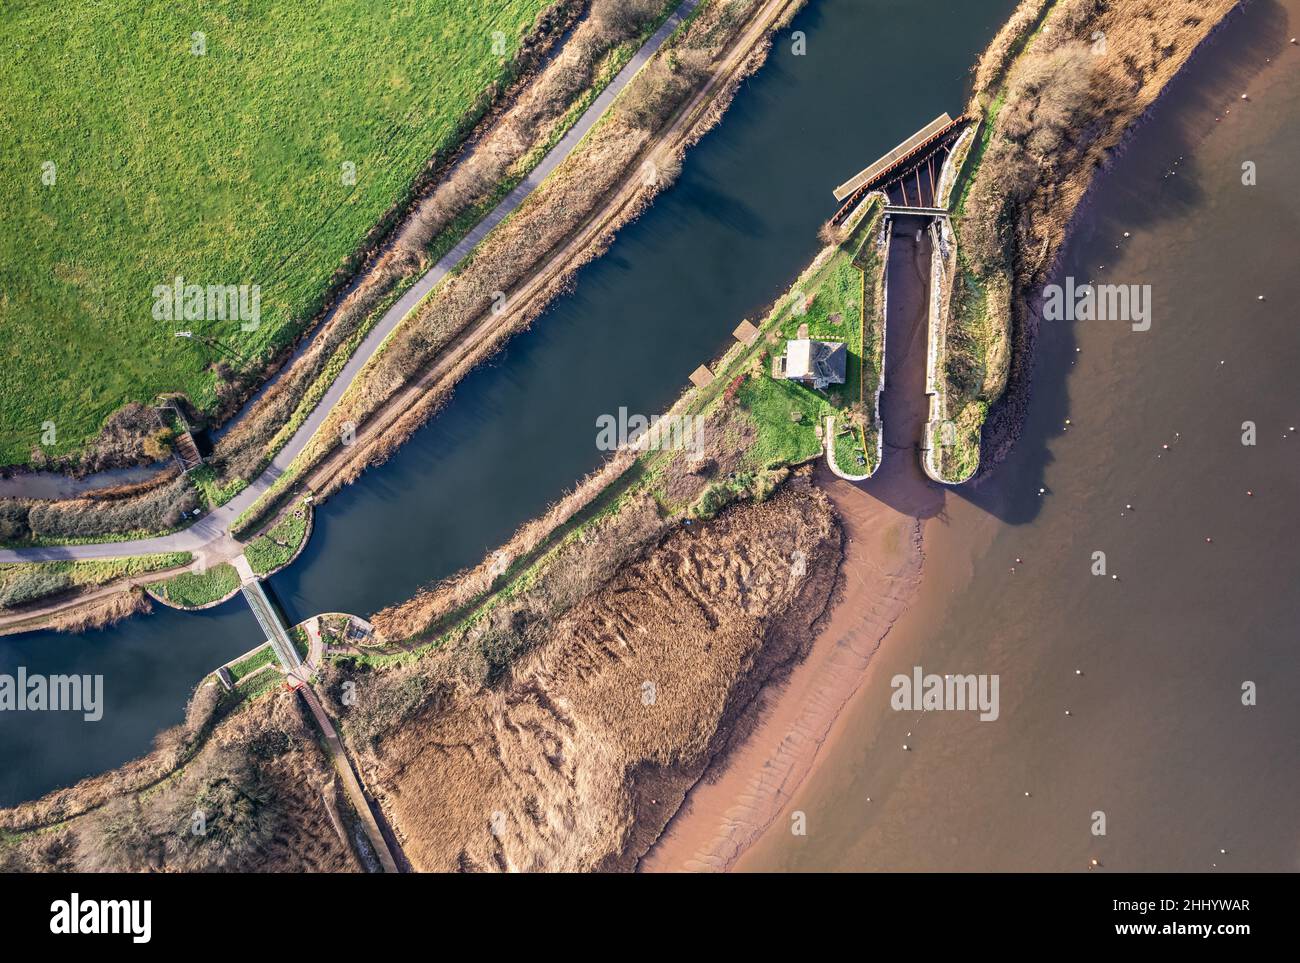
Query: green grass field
x=781, y=440
x=274, y=549
x=247, y=666
x=195, y=589
x=25, y=582
x=129, y=160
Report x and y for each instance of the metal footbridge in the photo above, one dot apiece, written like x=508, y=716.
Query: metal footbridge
x=269, y=619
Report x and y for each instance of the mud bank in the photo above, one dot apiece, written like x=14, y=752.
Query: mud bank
x=777, y=743
x=743, y=791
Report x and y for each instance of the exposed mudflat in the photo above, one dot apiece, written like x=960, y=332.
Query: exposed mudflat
x=742, y=793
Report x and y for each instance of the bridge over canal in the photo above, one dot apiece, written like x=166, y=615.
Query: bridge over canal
x=268, y=617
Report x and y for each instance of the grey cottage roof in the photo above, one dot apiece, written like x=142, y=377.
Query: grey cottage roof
x=821, y=362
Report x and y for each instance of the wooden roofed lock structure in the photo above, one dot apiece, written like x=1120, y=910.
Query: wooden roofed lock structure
x=909, y=174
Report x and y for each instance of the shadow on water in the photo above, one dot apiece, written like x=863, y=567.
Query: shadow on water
x=725, y=210
x=1154, y=177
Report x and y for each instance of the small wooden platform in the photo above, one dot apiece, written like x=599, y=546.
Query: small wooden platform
x=702, y=377
x=745, y=333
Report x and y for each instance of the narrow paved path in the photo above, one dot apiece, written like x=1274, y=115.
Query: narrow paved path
x=213, y=526
x=351, y=784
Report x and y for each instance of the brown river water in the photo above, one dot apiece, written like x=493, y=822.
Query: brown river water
x=1117, y=696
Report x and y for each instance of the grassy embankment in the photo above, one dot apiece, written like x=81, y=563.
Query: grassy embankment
x=27, y=582
x=196, y=589
x=977, y=355
x=279, y=544
x=280, y=210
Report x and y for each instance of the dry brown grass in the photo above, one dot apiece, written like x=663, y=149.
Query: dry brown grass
x=580, y=768
x=100, y=613
x=258, y=780
x=997, y=56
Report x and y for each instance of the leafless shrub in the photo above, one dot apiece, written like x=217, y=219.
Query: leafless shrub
x=117, y=837
x=13, y=520
x=1071, y=19
x=57, y=855
x=239, y=812
x=829, y=234
x=621, y=19
x=160, y=509
x=12, y=859
x=121, y=442
x=668, y=167
x=667, y=81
